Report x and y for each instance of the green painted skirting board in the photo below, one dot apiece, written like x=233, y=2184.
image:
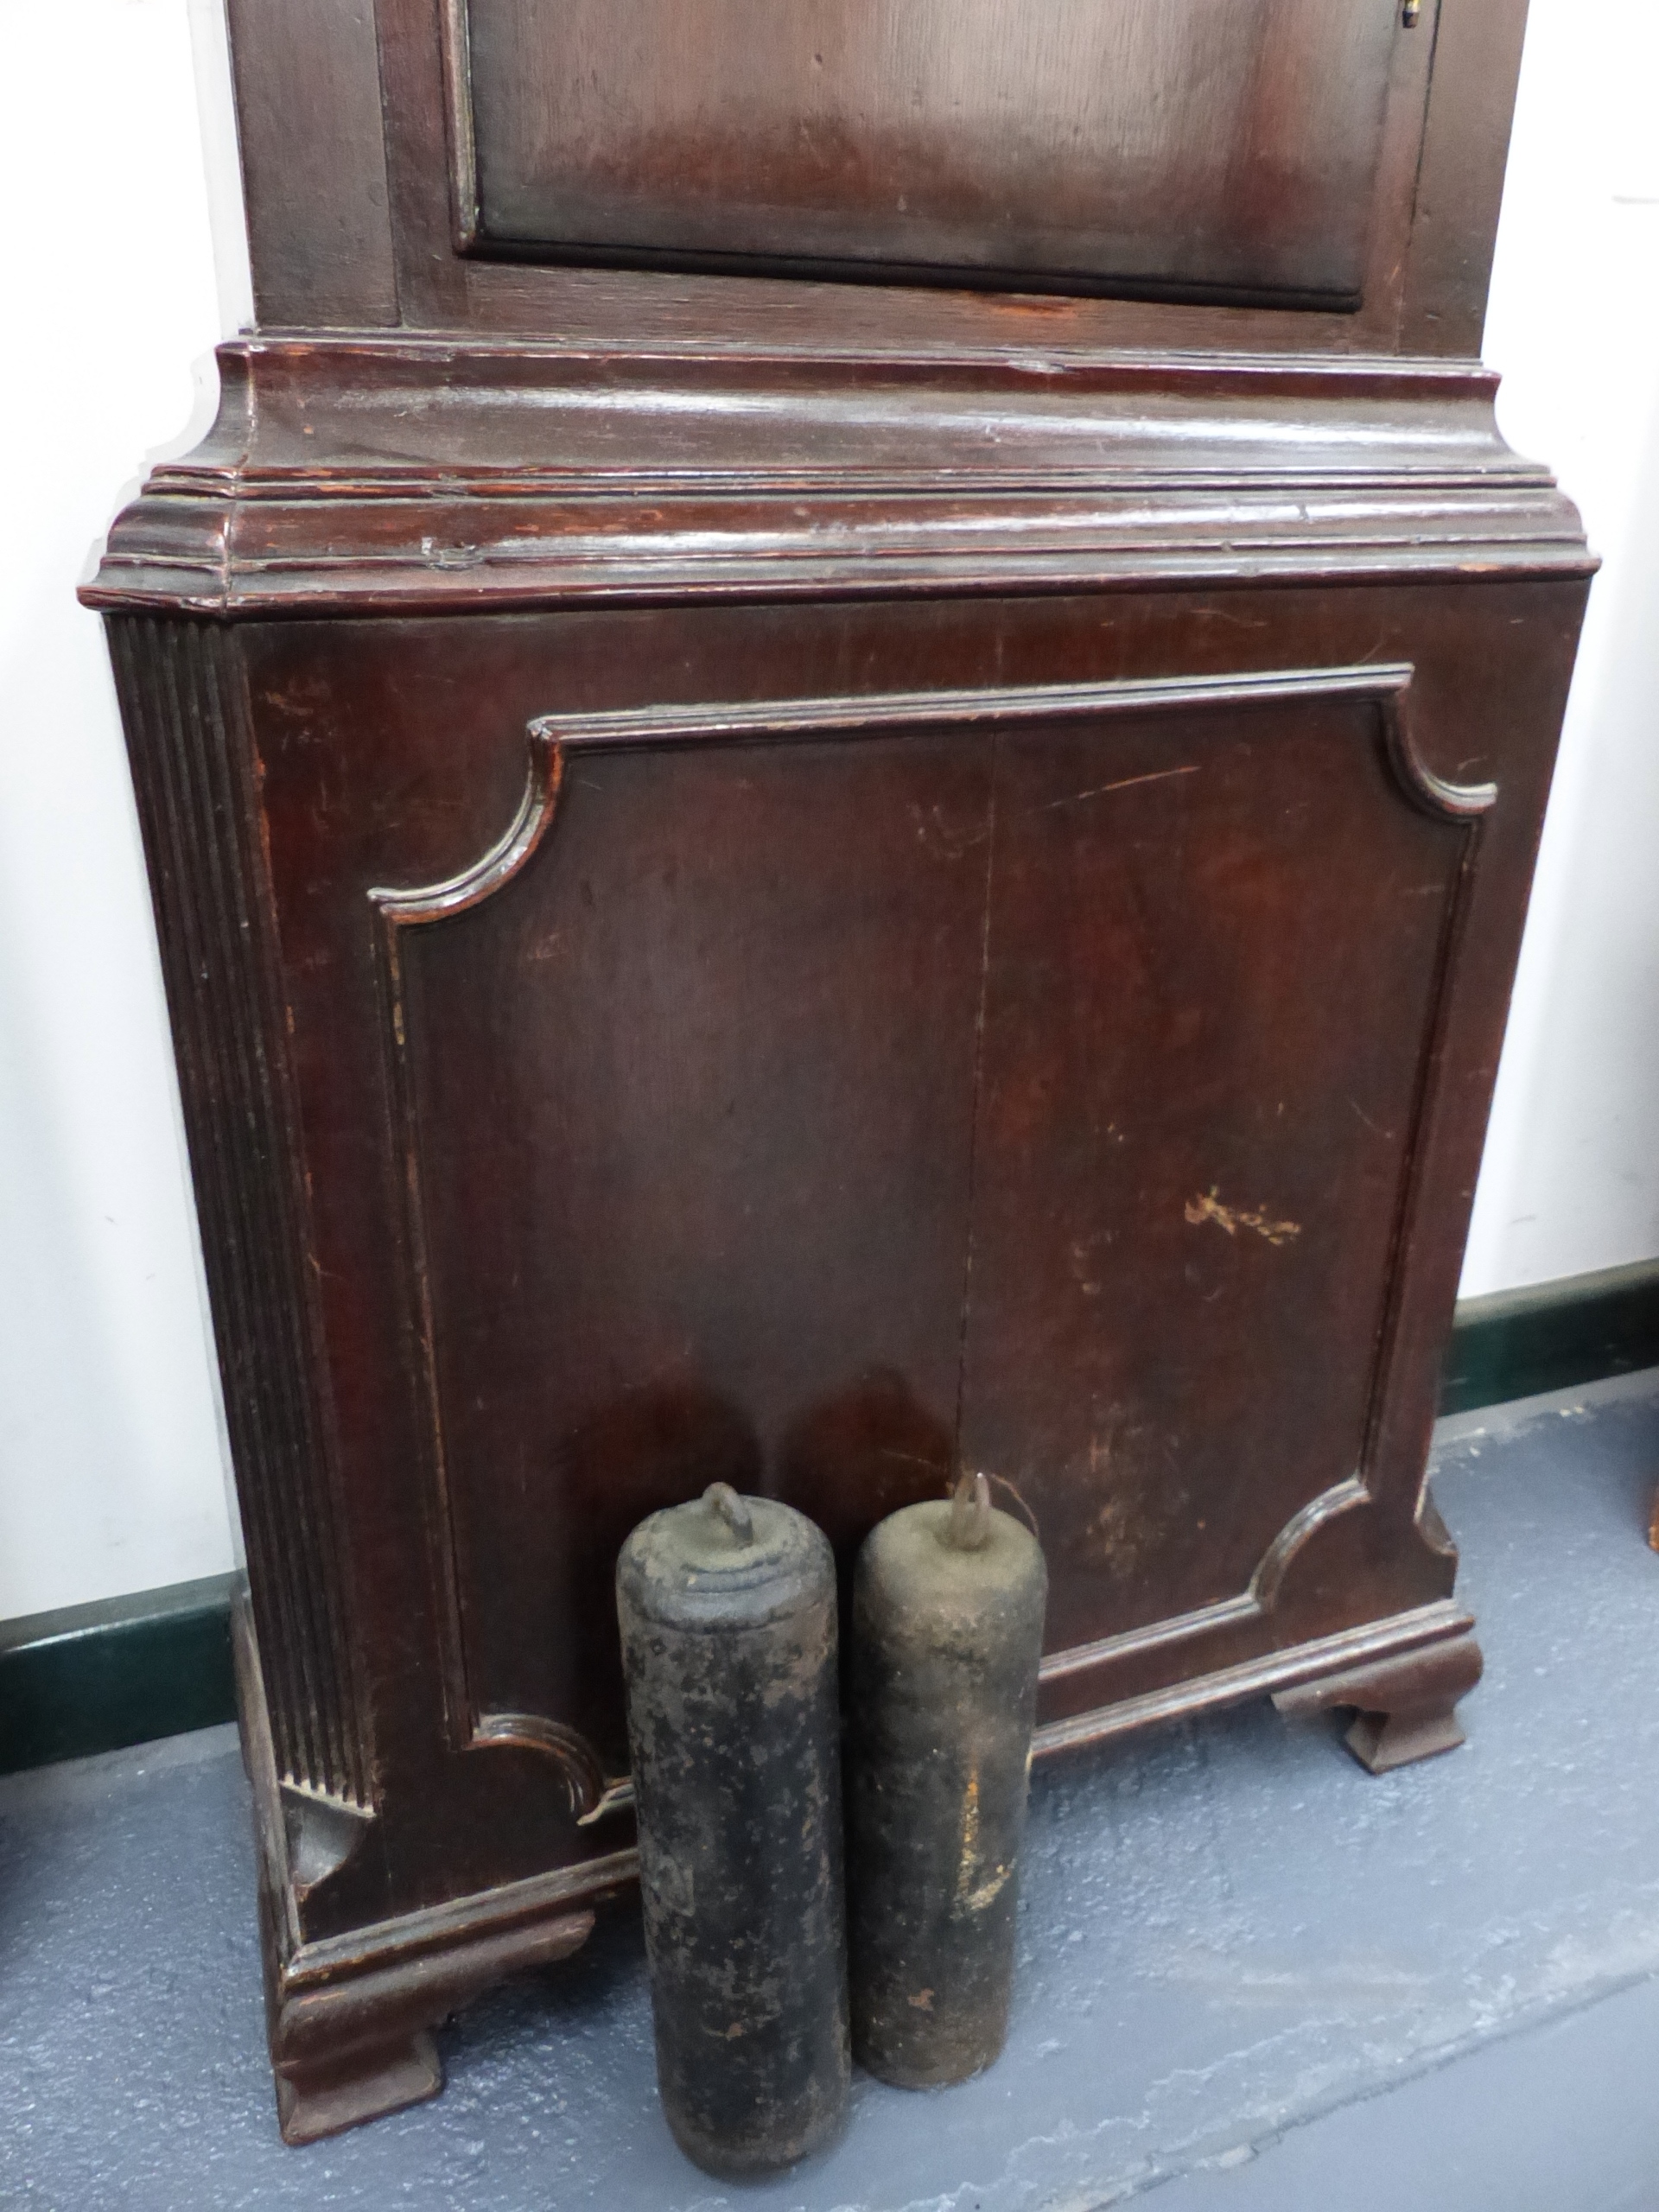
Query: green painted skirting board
x=95, y=1678
x=1552, y=1337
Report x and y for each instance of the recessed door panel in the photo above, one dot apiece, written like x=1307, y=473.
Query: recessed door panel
x=818, y=1096
x=688, y=1077
x=1215, y=948
x=1210, y=147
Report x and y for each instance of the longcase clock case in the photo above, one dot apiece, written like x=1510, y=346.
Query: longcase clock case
x=841, y=745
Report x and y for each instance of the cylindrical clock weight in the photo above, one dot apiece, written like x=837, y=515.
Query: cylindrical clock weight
x=946, y=1634
x=727, y=1609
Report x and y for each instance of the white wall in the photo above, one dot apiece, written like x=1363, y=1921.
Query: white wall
x=109, y=1452
x=110, y=1456
x=1571, y=1177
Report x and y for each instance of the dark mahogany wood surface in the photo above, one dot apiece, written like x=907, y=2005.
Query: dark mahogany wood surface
x=1178, y=146
x=703, y=1170
x=810, y=881
x=1215, y=953
x=722, y=1030
x=362, y=188
x=425, y=474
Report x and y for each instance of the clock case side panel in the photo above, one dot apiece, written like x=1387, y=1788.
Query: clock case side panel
x=311, y=140
x=180, y=688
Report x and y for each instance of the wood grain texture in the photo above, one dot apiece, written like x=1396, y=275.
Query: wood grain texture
x=410, y=473
x=563, y=1300
x=904, y=304
x=1460, y=181
x=1190, y=903
x=506, y=1036
x=708, y=1137
x=792, y=881
x=361, y=185
x=1219, y=147
x=1404, y=1707
x=183, y=707
x=319, y=228
x=602, y=1334
x=349, y=2022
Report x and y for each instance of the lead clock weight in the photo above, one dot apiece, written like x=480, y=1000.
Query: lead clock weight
x=727, y=1612
x=946, y=1634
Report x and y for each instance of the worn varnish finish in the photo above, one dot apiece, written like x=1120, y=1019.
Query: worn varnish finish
x=788, y=881
x=1403, y=1709
x=1181, y=147
x=405, y=201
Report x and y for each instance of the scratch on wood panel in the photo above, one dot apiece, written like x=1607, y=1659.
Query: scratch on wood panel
x=979, y=1078
x=1236, y=621
x=933, y=832
x=1001, y=1482
x=1100, y=791
x=891, y=1451
x=1233, y=1218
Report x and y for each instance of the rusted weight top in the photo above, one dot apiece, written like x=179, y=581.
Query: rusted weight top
x=722, y=1562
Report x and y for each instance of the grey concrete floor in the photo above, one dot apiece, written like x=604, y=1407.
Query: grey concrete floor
x=1253, y=1978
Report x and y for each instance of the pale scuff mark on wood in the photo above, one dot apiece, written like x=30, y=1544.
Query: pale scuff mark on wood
x=1101, y=791
x=1208, y=1207
x=936, y=835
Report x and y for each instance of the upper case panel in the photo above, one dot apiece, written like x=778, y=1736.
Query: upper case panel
x=1225, y=148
